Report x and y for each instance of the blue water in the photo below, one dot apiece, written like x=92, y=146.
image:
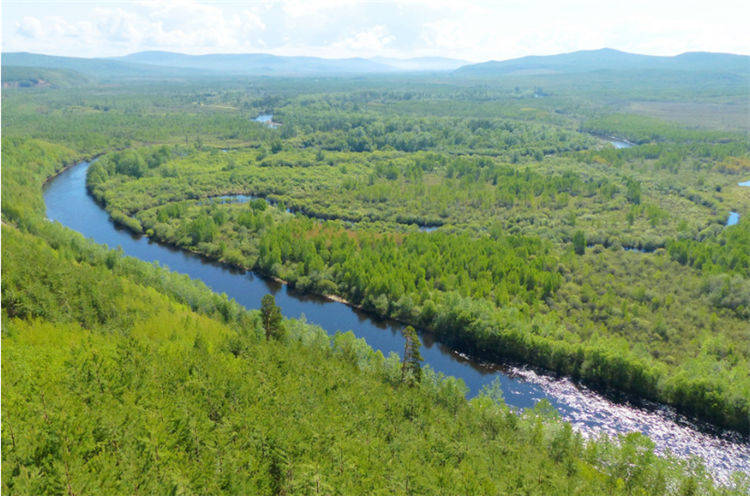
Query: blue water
x=733, y=218
x=620, y=144
x=68, y=203
x=266, y=119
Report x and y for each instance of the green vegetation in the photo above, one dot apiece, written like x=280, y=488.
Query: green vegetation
x=642, y=129
x=498, y=278
x=411, y=363
x=271, y=318
x=124, y=387
x=726, y=252
x=122, y=377
x=37, y=77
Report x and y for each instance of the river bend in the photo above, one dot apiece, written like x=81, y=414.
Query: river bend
x=69, y=203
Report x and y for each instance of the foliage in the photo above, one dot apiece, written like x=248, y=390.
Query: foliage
x=579, y=243
x=109, y=362
x=270, y=315
x=642, y=129
x=727, y=252
x=411, y=362
x=421, y=278
x=162, y=398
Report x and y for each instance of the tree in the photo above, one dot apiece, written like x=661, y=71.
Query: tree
x=633, y=193
x=271, y=315
x=130, y=163
x=579, y=243
x=202, y=228
x=411, y=367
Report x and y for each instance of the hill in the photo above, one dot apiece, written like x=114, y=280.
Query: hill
x=422, y=63
x=32, y=77
x=607, y=59
x=95, y=67
x=166, y=65
x=255, y=63
x=160, y=65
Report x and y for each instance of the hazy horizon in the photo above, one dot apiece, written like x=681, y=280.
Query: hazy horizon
x=474, y=32
x=374, y=57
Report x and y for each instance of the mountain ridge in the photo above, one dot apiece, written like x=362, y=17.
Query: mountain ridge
x=165, y=64
x=608, y=59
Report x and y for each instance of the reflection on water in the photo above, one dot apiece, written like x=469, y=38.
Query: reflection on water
x=592, y=413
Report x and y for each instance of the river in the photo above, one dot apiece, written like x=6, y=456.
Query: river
x=619, y=143
x=724, y=452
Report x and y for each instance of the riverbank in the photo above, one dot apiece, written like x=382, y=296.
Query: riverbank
x=69, y=202
x=488, y=336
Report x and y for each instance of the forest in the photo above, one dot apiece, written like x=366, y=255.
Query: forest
x=448, y=240
x=502, y=222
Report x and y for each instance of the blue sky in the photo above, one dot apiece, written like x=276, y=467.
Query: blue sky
x=475, y=31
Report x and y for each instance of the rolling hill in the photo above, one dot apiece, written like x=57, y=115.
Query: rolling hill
x=607, y=59
x=159, y=64
x=96, y=67
x=38, y=77
x=166, y=65
x=254, y=63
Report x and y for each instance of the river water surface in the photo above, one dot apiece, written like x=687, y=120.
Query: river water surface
x=724, y=452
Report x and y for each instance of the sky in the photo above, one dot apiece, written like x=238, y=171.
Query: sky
x=472, y=30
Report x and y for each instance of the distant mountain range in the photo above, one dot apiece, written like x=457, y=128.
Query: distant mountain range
x=261, y=63
x=156, y=64
x=421, y=63
x=609, y=60
x=153, y=63
x=101, y=68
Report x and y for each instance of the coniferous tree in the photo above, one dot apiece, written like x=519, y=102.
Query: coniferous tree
x=579, y=243
x=411, y=367
x=271, y=316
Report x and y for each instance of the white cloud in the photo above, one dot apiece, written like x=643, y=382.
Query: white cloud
x=370, y=41
x=476, y=30
x=182, y=25
x=30, y=27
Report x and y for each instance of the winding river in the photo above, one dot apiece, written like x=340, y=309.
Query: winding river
x=724, y=452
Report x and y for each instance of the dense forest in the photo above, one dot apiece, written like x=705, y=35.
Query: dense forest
x=497, y=217
x=507, y=228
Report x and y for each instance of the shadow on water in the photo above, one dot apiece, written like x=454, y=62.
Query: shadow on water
x=68, y=203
